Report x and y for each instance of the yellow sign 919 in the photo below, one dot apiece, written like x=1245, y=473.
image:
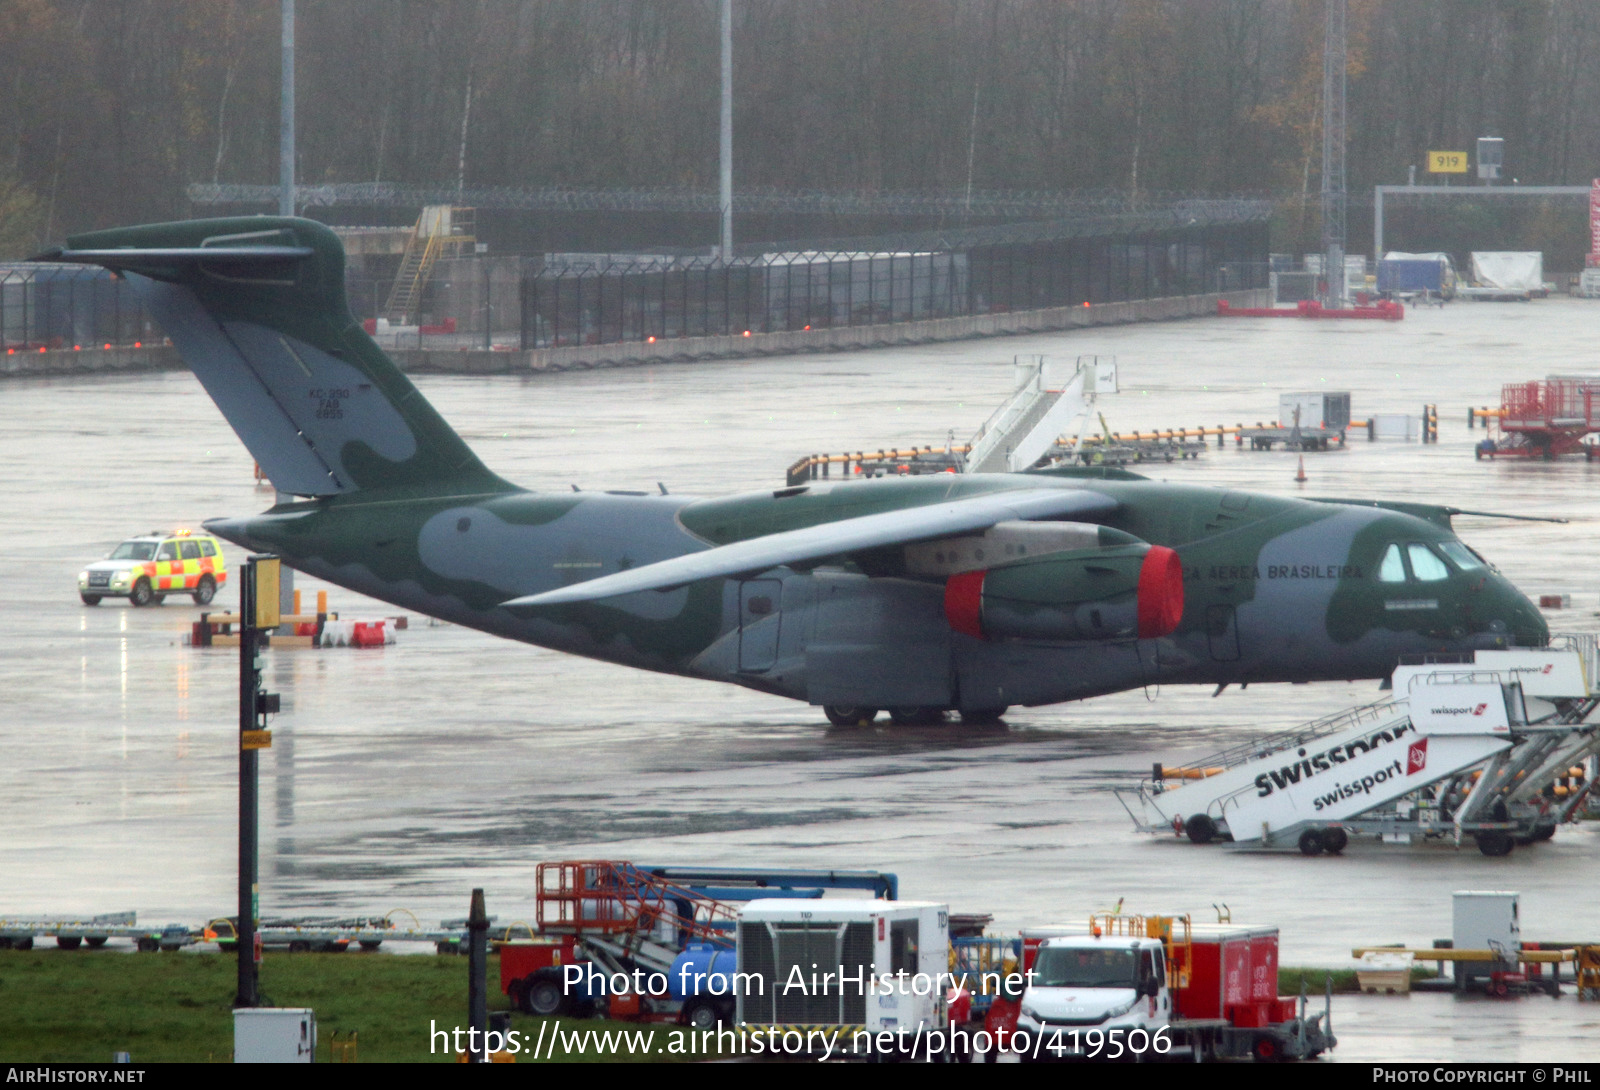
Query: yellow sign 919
x=1447, y=162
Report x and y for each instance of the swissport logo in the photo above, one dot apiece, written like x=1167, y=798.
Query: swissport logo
x=1313, y=764
x=1478, y=709
x=1416, y=757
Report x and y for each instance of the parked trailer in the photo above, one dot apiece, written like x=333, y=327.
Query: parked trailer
x=1402, y=275
x=71, y=932
x=1157, y=988
x=1306, y=421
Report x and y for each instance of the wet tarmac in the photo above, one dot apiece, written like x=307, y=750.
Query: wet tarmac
x=408, y=775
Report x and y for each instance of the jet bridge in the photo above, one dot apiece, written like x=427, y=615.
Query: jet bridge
x=1499, y=748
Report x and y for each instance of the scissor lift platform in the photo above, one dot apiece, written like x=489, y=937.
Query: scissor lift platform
x=1546, y=419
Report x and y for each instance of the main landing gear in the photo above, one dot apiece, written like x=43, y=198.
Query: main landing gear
x=852, y=715
x=849, y=715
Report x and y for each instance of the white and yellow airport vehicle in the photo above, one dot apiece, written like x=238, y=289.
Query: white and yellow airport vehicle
x=146, y=569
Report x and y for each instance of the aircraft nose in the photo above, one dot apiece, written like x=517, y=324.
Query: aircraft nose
x=1530, y=627
x=1518, y=619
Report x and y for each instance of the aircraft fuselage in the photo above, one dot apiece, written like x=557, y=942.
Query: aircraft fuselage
x=1274, y=588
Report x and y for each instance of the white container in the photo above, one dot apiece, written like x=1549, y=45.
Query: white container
x=878, y=966
x=1395, y=426
x=1385, y=972
x=1318, y=409
x=1486, y=920
x=274, y=1035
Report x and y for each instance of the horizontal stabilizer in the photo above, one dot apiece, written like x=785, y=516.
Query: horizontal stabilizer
x=256, y=306
x=816, y=543
x=130, y=258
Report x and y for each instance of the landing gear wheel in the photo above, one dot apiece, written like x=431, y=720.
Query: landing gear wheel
x=849, y=715
x=701, y=1014
x=982, y=717
x=142, y=595
x=205, y=591
x=1200, y=829
x=543, y=997
x=1495, y=843
x=90, y=599
x=916, y=717
x=1335, y=841
x=1266, y=1049
x=1311, y=843
x=95, y=941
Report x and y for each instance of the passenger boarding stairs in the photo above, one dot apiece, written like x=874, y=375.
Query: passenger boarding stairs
x=1473, y=747
x=441, y=231
x=1046, y=404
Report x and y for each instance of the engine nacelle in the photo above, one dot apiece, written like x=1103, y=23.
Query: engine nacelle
x=1124, y=592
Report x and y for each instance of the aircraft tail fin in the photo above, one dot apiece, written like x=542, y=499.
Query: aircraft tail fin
x=256, y=306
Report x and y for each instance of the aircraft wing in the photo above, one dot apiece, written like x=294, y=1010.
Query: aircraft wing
x=829, y=539
x=1432, y=512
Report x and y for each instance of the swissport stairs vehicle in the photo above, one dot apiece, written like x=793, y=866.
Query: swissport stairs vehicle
x=1498, y=748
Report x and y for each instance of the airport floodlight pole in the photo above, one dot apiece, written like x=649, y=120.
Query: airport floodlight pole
x=477, y=978
x=286, y=116
x=258, y=613
x=725, y=158
x=1334, y=199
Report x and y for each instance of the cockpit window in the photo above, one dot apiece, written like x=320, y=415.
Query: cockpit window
x=1393, y=569
x=1464, y=557
x=1425, y=564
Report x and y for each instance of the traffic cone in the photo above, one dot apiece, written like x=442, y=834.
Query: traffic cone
x=1300, y=475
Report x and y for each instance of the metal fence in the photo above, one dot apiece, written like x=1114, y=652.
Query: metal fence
x=596, y=299
x=69, y=306
x=608, y=300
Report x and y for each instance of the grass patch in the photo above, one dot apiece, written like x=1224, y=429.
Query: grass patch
x=81, y=1006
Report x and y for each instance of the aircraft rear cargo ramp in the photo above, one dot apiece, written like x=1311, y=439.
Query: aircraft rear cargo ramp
x=1485, y=748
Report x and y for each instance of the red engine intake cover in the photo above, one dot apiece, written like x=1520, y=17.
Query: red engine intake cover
x=1160, y=592
x=963, y=603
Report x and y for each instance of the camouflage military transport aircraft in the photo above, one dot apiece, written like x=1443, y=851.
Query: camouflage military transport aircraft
x=916, y=595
